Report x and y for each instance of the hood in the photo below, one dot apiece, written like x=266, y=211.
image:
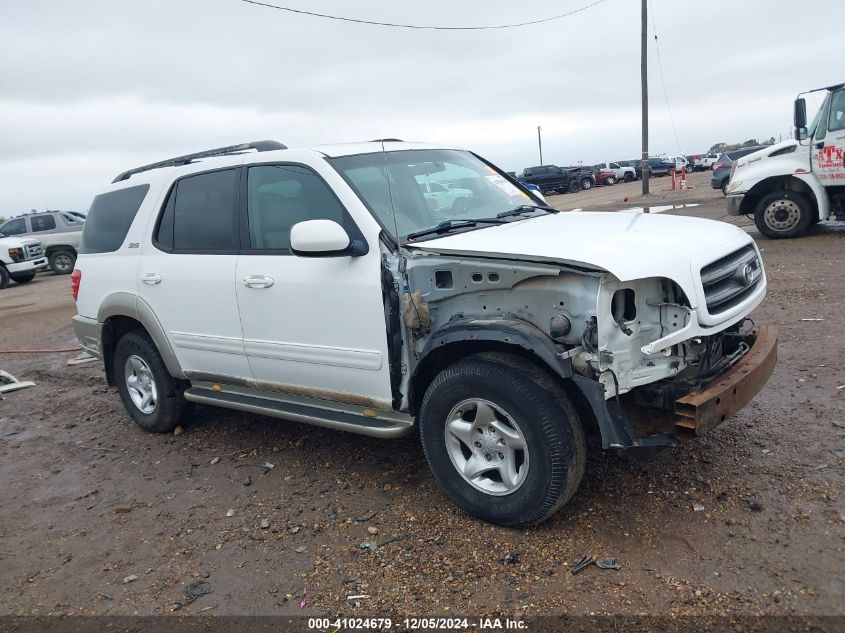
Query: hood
x=16, y=242
x=778, y=149
x=628, y=245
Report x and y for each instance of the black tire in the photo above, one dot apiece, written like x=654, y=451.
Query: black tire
x=574, y=187
x=629, y=177
x=784, y=214
x=586, y=183
x=546, y=419
x=170, y=401
x=62, y=262
x=23, y=279
x=4, y=277
x=724, y=187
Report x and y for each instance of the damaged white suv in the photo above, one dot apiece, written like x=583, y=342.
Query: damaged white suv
x=322, y=285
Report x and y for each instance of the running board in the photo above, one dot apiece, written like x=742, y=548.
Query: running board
x=383, y=424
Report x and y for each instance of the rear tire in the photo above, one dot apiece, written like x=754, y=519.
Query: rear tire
x=784, y=214
x=511, y=428
x=62, y=262
x=725, y=187
x=152, y=397
x=23, y=279
x=629, y=177
x=586, y=183
x=610, y=181
x=574, y=187
x=4, y=277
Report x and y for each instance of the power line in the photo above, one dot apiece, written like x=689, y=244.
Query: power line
x=424, y=26
x=663, y=80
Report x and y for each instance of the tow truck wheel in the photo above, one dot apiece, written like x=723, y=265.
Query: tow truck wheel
x=502, y=439
x=783, y=214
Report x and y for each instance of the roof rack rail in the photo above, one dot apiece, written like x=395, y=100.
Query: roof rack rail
x=387, y=140
x=259, y=146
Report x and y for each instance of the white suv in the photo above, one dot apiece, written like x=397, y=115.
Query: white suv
x=319, y=285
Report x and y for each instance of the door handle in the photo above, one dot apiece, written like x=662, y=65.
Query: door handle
x=258, y=281
x=151, y=278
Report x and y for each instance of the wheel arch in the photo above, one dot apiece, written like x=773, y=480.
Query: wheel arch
x=52, y=248
x=778, y=183
x=122, y=312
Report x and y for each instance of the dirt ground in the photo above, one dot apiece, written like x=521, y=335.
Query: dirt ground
x=99, y=517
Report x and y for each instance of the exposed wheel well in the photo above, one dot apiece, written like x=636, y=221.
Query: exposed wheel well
x=446, y=355
x=780, y=183
x=59, y=247
x=113, y=329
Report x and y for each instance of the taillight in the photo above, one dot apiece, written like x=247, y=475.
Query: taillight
x=718, y=166
x=75, y=280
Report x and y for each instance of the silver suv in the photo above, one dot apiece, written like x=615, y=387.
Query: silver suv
x=58, y=231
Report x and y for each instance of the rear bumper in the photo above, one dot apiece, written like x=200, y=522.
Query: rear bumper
x=90, y=334
x=698, y=412
x=734, y=203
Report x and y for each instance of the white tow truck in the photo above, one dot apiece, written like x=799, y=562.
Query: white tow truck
x=790, y=186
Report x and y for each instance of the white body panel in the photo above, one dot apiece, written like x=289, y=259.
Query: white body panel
x=628, y=245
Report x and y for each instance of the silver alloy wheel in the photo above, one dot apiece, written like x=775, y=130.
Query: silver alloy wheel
x=63, y=262
x=586, y=184
x=486, y=447
x=141, y=384
x=782, y=215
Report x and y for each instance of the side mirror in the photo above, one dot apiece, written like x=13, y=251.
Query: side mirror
x=324, y=238
x=800, y=119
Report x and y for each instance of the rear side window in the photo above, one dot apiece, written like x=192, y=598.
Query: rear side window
x=42, y=223
x=200, y=214
x=109, y=219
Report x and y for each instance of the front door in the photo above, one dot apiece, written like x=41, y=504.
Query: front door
x=187, y=274
x=829, y=142
x=312, y=326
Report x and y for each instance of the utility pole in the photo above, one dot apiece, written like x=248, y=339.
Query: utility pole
x=540, y=143
x=644, y=89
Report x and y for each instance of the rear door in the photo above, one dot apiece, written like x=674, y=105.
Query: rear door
x=187, y=274
x=312, y=326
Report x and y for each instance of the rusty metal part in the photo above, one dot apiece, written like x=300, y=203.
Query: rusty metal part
x=700, y=411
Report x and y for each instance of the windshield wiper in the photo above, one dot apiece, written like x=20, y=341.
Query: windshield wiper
x=526, y=208
x=449, y=225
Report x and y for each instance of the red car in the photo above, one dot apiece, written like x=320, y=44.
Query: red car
x=605, y=177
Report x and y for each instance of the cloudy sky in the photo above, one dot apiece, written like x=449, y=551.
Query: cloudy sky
x=93, y=87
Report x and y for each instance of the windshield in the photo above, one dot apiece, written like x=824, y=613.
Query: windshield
x=429, y=187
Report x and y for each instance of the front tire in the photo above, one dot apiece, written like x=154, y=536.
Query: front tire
x=610, y=181
x=152, y=397
x=586, y=183
x=784, y=214
x=629, y=177
x=23, y=279
x=502, y=439
x=4, y=277
x=574, y=187
x=62, y=262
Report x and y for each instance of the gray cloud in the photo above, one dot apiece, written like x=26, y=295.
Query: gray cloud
x=92, y=88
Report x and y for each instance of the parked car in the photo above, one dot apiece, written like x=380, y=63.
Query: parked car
x=703, y=162
x=722, y=167
x=20, y=259
x=318, y=285
x=620, y=171
x=553, y=178
x=531, y=187
x=58, y=231
x=585, y=175
x=444, y=196
x=659, y=167
x=604, y=177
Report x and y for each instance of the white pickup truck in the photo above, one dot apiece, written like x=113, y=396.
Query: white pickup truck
x=20, y=259
x=628, y=174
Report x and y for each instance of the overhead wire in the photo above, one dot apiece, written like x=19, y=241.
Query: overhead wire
x=663, y=79
x=424, y=26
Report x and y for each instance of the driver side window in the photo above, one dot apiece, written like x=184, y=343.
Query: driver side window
x=837, y=112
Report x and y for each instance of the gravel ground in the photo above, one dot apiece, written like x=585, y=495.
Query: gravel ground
x=99, y=517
